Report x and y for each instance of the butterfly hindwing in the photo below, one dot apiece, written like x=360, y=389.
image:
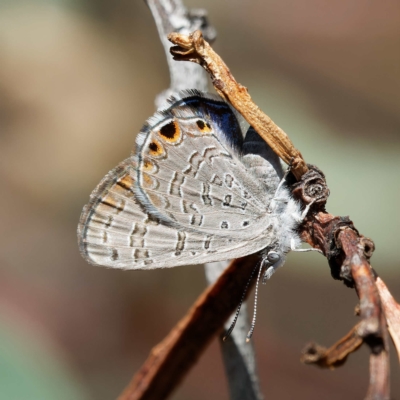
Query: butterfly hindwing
x=188, y=196
x=116, y=231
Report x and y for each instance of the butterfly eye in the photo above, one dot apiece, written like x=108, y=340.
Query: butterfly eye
x=273, y=257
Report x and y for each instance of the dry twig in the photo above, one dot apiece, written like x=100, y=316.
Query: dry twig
x=336, y=355
x=194, y=48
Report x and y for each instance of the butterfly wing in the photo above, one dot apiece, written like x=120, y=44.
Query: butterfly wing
x=190, y=171
x=115, y=230
x=185, y=198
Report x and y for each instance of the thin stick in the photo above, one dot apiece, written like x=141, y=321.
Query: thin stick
x=194, y=48
x=336, y=355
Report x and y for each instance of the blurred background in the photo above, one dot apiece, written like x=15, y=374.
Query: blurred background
x=77, y=80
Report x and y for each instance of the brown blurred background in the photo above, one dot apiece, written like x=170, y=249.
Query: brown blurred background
x=77, y=80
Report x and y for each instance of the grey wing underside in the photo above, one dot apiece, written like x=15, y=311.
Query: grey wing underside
x=192, y=194
x=115, y=230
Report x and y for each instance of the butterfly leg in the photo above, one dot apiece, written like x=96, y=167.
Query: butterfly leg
x=275, y=199
x=293, y=247
x=282, y=199
x=305, y=212
x=300, y=218
x=272, y=204
x=283, y=180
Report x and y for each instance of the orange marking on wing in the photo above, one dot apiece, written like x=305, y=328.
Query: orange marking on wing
x=110, y=202
x=149, y=181
x=155, y=148
x=126, y=182
x=170, y=132
x=204, y=127
x=148, y=166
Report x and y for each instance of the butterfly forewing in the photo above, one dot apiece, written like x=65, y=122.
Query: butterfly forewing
x=195, y=178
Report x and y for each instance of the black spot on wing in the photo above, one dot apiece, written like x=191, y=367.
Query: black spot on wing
x=168, y=130
x=200, y=124
x=205, y=194
x=180, y=243
x=214, y=110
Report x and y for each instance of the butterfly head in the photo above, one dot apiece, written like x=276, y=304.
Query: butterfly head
x=271, y=262
x=287, y=237
x=274, y=258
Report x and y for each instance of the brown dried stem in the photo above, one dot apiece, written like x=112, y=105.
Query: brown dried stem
x=171, y=359
x=336, y=355
x=348, y=254
x=194, y=48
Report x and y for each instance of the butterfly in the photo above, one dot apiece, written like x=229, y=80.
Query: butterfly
x=198, y=189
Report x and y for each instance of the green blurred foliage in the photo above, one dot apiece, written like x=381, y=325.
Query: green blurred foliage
x=30, y=367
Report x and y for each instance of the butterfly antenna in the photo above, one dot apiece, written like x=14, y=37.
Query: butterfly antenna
x=253, y=322
x=228, y=333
